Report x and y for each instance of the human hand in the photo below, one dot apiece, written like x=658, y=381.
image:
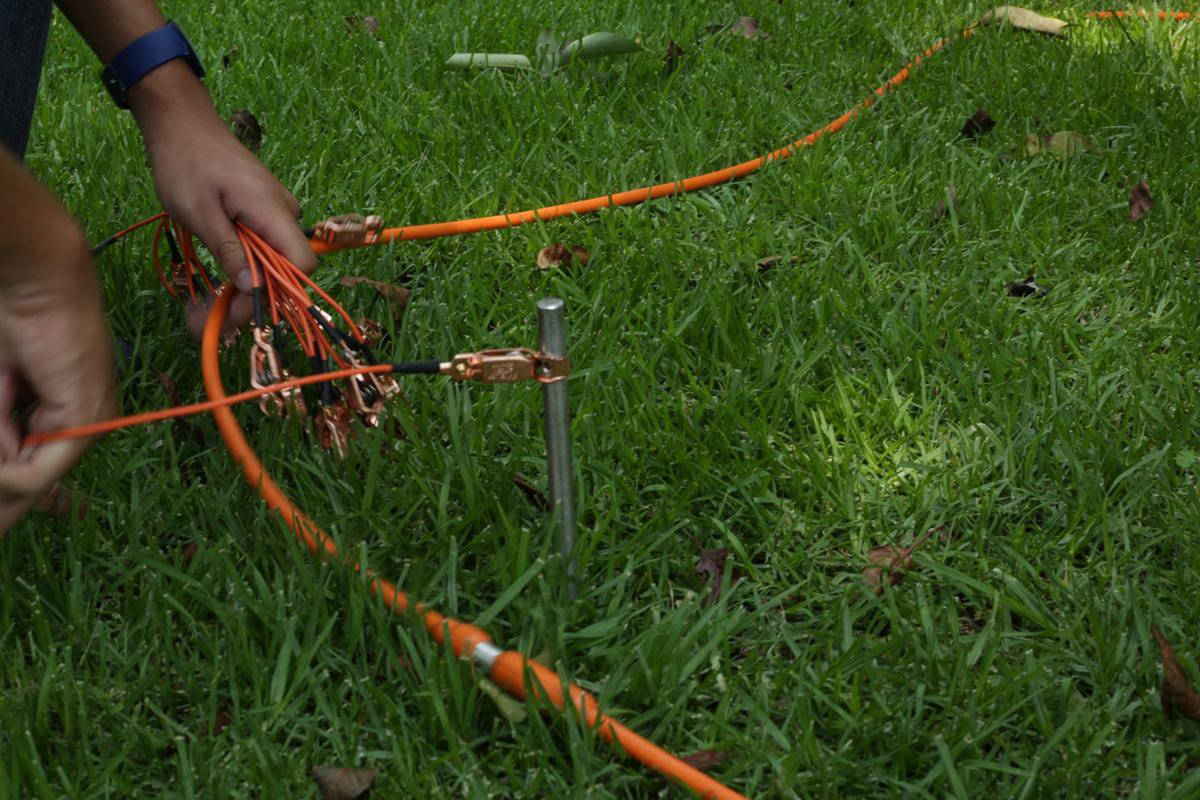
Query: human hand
x=207, y=180
x=56, y=364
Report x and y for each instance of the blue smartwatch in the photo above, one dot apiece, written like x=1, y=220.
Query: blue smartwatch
x=144, y=54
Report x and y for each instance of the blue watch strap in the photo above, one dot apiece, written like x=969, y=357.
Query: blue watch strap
x=144, y=54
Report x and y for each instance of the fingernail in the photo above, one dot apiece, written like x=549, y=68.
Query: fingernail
x=244, y=281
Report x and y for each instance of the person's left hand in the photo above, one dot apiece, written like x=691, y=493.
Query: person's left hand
x=206, y=181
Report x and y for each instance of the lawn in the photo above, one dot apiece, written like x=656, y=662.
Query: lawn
x=875, y=381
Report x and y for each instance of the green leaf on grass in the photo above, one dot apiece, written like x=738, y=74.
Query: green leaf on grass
x=509, y=707
x=598, y=45
x=546, y=53
x=513, y=61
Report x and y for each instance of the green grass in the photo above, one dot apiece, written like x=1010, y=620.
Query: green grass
x=882, y=384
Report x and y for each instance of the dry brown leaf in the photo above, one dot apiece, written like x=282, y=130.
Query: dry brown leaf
x=944, y=208
x=981, y=122
x=748, y=27
x=1025, y=288
x=769, y=262
x=533, y=494
x=1177, y=693
x=1062, y=144
x=343, y=783
x=671, y=59
x=189, y=552
x=1025, y=20
x=61, y=502
x=397, y=296
x=889, y=562
x=559, y=255
x=246, y=128
x=1140, y=201
x=704, y=759
x=170, y=387
x=712, y=566
x=224, y=720
x=368, y=23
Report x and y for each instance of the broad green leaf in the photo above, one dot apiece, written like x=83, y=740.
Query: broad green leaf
x=598, y=45
x=489, y=61
x=546, y=55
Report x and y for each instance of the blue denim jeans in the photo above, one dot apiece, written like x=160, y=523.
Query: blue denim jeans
x=23, y=28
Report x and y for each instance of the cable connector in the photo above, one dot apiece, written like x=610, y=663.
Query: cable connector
x=345, y=230
x=265, y=371
x=508, y=366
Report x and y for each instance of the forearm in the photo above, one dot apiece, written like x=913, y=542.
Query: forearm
x=169, y=92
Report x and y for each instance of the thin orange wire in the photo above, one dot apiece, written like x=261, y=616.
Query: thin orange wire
x=175, y=412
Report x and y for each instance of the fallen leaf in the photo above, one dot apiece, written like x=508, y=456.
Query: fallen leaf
x=1062, y=144
x=1025, y=288
x=230, y=57
x=369, y=24
x=343, y=783
x=767, y=263
x=892, y=561
x=170, y=387
x=712, y=565
x=246, y=128
x=398, y=296
x=189, y=552
x=981, y=122
x=946, y=206
x=703, y=759
x=61, y=502
x=224, y=720
x=532, y=493
x=1177, y=693
x=748, y=28
x=1140, y=201
x=1025, y=20
x=671, y=59
x=559, y=255
x=509, y=707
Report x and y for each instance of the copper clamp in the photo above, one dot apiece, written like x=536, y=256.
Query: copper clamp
x=508, y=366
x=345, y=230
x=265, y=371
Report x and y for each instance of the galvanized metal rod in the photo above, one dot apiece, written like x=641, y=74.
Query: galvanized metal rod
x=552, y=340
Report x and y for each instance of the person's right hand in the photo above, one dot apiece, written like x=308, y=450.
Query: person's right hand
x=56, y=362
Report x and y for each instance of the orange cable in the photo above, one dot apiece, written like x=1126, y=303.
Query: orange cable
x=511, y=670
x=110, y=425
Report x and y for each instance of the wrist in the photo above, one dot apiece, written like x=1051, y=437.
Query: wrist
x=170, y=96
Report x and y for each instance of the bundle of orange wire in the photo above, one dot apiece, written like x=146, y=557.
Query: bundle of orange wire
x=287, y=304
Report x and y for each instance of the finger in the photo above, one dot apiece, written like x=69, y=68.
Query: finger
x=8, y=391
x=37, y=468
x=289, y=200
x=213, y=227
x=282, y=233
x=239, y=314
x=11, y=511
